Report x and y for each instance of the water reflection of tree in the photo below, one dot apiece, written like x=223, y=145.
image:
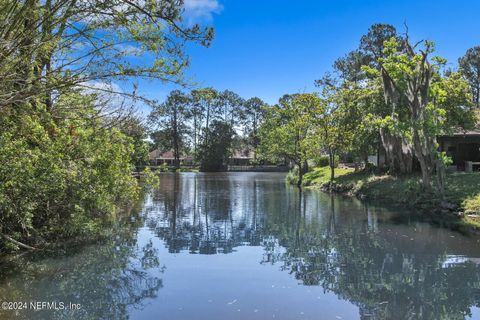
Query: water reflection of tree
x=206, y=215
x=377, y=269
x=105, y=279
x=322, y=240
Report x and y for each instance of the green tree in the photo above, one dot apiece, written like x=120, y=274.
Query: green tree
x=171, y=118
x=399, y=153
x=230, y=106
x=214, y=153
x=204, y=109
x=407, y=79
x=350, y=66
x=361, y=103
x=134, y=128
x=335, y=120
x=61, y=178
x=372, y=44
x=253, y=116
x=287, y=129
x=470, y=67
x=53, y=44
x=451, y=97
x=197, y=114
x=66, y=161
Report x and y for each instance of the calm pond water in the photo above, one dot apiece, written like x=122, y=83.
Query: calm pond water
x=247, y=246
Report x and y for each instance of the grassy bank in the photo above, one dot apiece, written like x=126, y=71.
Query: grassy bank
x=462, y=194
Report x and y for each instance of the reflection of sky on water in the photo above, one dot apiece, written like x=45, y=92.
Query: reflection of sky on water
x=246, y=246
x=260, y=221
x=235, y=286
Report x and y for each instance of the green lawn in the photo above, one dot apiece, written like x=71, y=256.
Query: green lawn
x=463, y=189
x=321, y=175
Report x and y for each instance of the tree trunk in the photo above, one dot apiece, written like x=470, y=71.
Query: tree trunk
x=176, y=142
x=331, y=158
x=425, y=152
x=477, y=97
x=24, y=70
x=302, y=169
x=207, y=123
x=195, y=128
x=425, y=176
x=176, y=157
x=305, y=166
x=441, y=179
x=398, y=152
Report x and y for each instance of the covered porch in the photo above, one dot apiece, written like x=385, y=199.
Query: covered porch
x=463, y=148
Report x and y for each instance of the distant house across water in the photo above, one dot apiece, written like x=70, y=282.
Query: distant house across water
x=158, y=157
x=241, y=158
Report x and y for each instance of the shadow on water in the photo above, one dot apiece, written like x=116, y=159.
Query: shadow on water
x=387, y=270
x=105, y=279
x=390, y=267
x=360, y=253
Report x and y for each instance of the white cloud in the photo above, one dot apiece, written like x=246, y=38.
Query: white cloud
x=130, y=50
x=101, y=87
x=109, y=95
x=196, y=10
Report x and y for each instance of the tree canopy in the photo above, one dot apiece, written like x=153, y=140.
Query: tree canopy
x=389, y=93
x=68, y=146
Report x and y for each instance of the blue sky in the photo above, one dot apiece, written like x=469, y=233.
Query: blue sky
x=268, y=48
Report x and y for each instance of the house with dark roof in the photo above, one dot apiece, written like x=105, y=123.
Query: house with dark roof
x=158, y=157
x=464, y=149
x=241, y=158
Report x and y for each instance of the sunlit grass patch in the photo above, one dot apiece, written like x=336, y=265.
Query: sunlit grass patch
x=472, y=205
x=321, y=175
x=463, y=189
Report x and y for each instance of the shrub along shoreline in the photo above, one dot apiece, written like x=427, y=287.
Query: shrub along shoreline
x=459, y=210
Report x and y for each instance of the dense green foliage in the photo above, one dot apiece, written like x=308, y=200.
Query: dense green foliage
x=287, y=131
x=214, y=152
x=170, y=120
x=69, y=140
x=387, y=95
x=134, y=128
x=470, y=65
x=462, y=189
x=59, y=178
x=324, y=161
x=182, y=123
